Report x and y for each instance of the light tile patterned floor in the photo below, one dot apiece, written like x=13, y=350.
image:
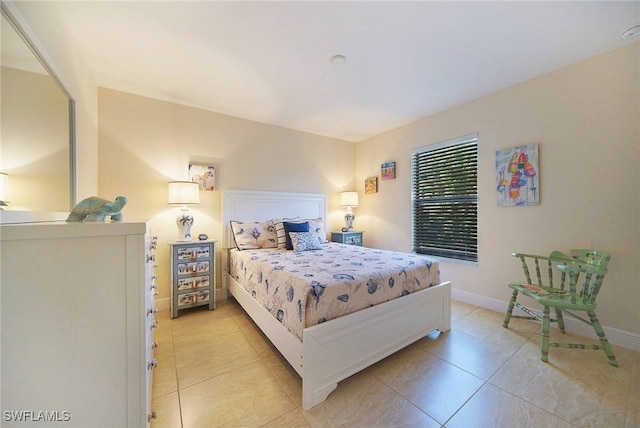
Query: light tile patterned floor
x=216, y=369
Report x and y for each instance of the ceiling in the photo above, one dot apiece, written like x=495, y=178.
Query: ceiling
x=270, y=61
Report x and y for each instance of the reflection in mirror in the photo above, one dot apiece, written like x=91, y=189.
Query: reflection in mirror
x=37, y=142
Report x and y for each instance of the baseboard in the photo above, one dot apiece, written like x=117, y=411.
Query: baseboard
x=615, y=336
x=163, y=304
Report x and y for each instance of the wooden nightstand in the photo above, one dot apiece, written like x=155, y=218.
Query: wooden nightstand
x=351, y=238
x=192, y=275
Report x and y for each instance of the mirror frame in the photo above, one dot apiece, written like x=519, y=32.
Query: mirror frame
x=23, y=30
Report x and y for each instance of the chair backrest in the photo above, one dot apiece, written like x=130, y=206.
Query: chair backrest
x=588, y=277
x=592, y=257
x=550, y=261
x=589, y=257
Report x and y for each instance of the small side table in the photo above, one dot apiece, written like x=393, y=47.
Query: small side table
x=351, y=238
x=192, y=275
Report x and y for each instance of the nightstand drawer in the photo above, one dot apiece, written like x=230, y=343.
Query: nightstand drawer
x=193, y=268
x=193, y=282
x=193, y=299
x=193, y=253
x=350, y=238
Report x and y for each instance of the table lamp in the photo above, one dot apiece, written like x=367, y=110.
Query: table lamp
x=349, y=200
x=184, y=193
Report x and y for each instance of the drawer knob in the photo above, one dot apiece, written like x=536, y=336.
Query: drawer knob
x=154, y=324
x=152, y=364
x=152, y=311
x=151, y=257
x=151, y=415
x=154, y=345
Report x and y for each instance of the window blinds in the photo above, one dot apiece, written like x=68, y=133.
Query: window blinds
x=445, y=200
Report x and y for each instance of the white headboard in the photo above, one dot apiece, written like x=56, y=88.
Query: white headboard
x=250, y=205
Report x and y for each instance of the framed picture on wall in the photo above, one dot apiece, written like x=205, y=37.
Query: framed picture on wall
x=517, y=176
x=204, y=175
x=371, y=185
x=388, y=171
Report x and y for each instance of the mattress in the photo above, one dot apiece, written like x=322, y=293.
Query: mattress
x=307, y=288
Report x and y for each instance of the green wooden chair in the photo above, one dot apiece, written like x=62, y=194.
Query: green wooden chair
x=579, y=278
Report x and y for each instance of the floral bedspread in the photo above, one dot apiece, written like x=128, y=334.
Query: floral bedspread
x=311, y=287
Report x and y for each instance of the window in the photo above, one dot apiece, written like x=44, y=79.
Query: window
x=444, y=190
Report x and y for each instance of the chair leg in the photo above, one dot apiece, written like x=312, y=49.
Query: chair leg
x=545, y=335
x=512, y=302
x=603, y=339
x=560, y=320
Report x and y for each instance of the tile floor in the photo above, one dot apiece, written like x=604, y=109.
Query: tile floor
x=216, y=369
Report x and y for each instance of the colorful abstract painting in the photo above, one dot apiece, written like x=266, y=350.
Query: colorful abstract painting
x=517, y=176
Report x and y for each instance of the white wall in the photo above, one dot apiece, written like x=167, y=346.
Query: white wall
x=585, y=119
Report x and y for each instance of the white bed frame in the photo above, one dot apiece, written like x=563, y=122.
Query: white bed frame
x=334, y=350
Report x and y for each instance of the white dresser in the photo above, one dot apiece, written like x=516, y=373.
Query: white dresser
x=77, y=323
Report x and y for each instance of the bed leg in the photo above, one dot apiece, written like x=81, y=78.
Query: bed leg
x=311, y=398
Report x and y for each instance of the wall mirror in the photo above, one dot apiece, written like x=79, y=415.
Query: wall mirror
x=37, y=145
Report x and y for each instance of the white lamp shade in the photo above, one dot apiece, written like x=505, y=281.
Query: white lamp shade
x=184, y=193
x=4, y=187
x=349, y=199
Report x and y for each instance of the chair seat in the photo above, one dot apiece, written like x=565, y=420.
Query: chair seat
x=550, y=296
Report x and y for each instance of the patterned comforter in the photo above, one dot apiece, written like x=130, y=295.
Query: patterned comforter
x=311, y=287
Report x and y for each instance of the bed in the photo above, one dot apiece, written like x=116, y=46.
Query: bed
x=330, y=351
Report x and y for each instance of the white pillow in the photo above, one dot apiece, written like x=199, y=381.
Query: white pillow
x=253, y=235
x=316, y=225
x=305, y=241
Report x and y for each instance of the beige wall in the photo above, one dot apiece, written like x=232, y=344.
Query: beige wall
x=585, y=119
x=145, y=143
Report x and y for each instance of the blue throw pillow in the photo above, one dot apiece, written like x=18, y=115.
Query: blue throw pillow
x=293, y=227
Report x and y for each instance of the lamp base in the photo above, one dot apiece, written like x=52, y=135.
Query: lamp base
x=348, y=220
x=184, y=221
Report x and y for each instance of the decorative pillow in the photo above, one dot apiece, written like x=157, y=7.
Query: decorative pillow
x=282, y=236
x=305, y=241
x=293, y=227
x=316, y=225
x=253, y=235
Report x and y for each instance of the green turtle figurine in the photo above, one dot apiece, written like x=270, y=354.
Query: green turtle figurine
x=97, y=209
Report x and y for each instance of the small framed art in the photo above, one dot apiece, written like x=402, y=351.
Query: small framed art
x=371, y=185
x=388, y=171
x=204, y=175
